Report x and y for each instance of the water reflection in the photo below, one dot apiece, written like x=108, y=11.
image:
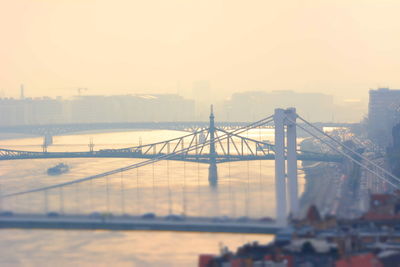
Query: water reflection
x=213, y=174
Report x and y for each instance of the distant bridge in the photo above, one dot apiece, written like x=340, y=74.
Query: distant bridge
x=61, y=129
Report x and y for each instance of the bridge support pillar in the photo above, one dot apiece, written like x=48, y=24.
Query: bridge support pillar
x=280, y=179
x=213, y=174
x=292, y=161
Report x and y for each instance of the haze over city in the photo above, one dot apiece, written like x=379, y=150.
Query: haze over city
x=341, y=48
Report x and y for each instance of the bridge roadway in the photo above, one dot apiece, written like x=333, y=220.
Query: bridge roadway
x=138, y=223
x=202, y=158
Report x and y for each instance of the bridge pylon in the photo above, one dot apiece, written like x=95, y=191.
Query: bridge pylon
x=91, y=146
x=212, y=169
x=291, y=159
x=285, y=163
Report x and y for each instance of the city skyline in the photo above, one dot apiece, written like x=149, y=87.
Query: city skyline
x=244, y=106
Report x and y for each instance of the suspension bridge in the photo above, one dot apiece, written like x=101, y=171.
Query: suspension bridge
x=212, y=146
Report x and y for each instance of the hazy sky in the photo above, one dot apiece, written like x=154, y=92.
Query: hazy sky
x=135, y=46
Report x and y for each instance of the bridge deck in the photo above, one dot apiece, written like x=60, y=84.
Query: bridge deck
x=203, y=158
x=124, y=223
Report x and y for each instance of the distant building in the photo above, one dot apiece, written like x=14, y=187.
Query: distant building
x=42, y=110
x=250, y=106
x=90, y=109
x=131, y=108
x=383, y=207
x=383, y=114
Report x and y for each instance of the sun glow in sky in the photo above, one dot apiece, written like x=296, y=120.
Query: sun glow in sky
x=341, y=47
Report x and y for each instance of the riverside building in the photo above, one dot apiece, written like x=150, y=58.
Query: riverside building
x=383, y=114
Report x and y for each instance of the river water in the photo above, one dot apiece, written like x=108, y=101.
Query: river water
x=166, y=187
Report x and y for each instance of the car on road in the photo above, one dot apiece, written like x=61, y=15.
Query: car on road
x=221, y=219
x=266, y=219
x=242, y=219
x=174, y=217
x=6, y=213
x=107, y=215
x=149, y=216
x=95, y=215
x=52, y=214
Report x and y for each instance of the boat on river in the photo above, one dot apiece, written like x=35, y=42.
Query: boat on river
x=58, y=169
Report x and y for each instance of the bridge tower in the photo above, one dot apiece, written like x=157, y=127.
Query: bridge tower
x=212, y=169
x=280, y=173
x=91, y=145
x=285, y=163
x=292, y=160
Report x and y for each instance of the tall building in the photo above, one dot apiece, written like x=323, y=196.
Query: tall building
x=383, y=114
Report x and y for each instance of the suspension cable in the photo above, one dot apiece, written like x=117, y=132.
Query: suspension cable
x=347, y=156
x=350, y=149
